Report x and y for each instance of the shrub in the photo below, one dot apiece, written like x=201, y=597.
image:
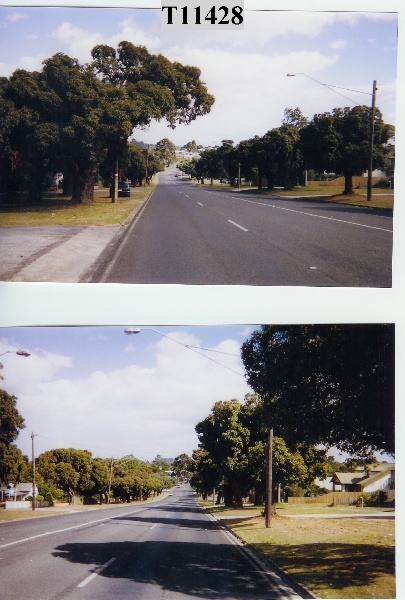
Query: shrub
x=382, y=183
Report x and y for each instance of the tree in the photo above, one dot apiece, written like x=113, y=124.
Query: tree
x=224, y=437
x=67, y=469
x=11, y=423
x=326, y=384
x=339, y=142
x=182, y=465
x=71, y=116
x=166, y=151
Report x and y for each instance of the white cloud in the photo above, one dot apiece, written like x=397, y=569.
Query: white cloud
x=17, y=16
x=338, y=44
x=80, y=42
x=138, y=409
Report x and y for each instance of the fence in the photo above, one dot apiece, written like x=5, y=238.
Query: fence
x=331, y=498
x=358, y=182
x=25, y=504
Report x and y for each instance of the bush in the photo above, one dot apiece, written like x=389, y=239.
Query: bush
x=383, y=183
x=375, y=498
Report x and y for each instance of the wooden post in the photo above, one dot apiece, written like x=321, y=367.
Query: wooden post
x=269, y=478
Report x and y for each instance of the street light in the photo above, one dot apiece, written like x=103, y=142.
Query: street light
x=18, y=352
x=373, y=98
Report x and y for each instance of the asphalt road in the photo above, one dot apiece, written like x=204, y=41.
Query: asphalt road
x=191, y=234
x=166, y=550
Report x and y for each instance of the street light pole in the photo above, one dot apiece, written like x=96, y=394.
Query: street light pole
x=370, y=162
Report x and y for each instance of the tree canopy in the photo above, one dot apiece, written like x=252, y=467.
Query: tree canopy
x=68, y=117
x=326, y=384
x=232, y=454
x=339, y=141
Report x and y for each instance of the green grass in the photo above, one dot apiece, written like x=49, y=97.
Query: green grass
x=334, y=558
x=58, y=210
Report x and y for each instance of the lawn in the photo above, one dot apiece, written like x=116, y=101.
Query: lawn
x=58, y=210
x=333, y=557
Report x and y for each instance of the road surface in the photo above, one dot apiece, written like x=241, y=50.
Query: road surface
x=165, y=550
x=193, y=234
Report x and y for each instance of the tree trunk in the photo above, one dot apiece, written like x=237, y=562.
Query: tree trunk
x=83, y=184
x=348, y=184
x=35, y=182
x=67, y=180
x=238, y=499
x=228, y=496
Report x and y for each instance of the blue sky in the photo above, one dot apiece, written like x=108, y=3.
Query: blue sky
x=245, y=70
x=114, y=394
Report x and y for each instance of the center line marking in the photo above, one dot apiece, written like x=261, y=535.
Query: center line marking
x=200, y=204
x=236, y=225
x=95, y=573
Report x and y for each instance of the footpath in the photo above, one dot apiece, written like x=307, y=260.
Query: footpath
x=58, y=253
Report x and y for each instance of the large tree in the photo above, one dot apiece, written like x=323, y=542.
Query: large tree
x=326, y=384
x=72, y=116
x=339, y=141
x=11, y=422
x=226, y=439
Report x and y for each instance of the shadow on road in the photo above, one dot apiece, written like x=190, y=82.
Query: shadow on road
x=194, y=569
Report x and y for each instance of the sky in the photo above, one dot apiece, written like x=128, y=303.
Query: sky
x=245, y=70
x=114, y=394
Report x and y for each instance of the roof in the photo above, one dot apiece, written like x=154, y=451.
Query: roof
x=346, y=478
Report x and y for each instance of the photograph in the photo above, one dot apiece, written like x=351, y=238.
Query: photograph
x=262, y=155
x=239, y=462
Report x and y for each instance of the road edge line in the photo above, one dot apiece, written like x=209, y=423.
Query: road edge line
x=99, y=270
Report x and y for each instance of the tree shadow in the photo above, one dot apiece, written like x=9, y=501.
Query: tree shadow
x=194, y=569
x=175, y=522
x=333, y=565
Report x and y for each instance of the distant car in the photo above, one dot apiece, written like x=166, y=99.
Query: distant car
x=124, y=189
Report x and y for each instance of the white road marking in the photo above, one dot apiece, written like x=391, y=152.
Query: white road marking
x=200, y=204
x=236, y=225
x=34, y=537
x=301, y=212
x=95, y=573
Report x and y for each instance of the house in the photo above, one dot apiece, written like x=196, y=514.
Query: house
x=19, y=492
x=378, y=477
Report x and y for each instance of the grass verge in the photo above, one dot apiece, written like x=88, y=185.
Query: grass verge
x=334, y=557
x=58, y=210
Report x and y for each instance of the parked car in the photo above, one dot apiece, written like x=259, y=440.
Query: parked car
x=124, y=189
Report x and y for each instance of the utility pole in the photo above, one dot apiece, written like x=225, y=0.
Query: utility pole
x=109, y=483
x=147, y=164
x=269, y=477
x=370, y=160
x=115, y=183
x=33, y=471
